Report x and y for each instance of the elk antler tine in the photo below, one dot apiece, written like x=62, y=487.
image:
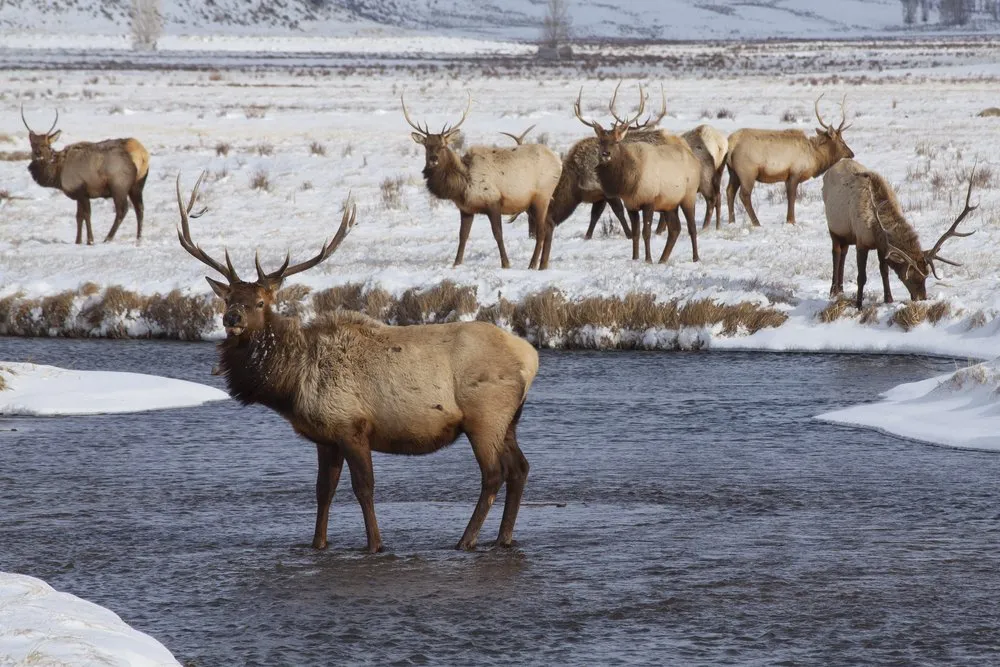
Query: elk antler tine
x=818, y=116
x=24, y=120
x=578, y=112
x=465, y=114
x=229, y=265
x=54, y=123
x=611, y=104
x=406, y=115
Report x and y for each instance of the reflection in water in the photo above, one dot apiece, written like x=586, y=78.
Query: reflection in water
x=681, y=507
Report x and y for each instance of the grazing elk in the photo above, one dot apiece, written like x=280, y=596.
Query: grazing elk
x=490, y=180
x=862, y=210
x=710, y=147
x=648, y=177
x=579, y=184
x=353, y=385
x=115, y=168
x=789, y=156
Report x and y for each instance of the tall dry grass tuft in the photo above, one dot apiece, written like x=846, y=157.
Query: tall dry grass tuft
x=909, y=315
x=347, y=296
x=445, y=302
x=179, y=316
x=938, y=311
x=116, y=304
x=500, y=313
x=290, y=301
x=835, y=309
x=870, y=314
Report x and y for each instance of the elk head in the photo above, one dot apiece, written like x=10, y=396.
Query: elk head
x=609, y=141
x=833, y=136
x=435, y=144
x=41, y=144
x=248, y=304
x=913, y=270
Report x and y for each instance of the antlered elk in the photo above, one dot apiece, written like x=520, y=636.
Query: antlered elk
x=490, y=180
x=353, y=385
x=789, y=156
x=862, y=210
x=115, y=168
x=579, y=183
x=648, y=178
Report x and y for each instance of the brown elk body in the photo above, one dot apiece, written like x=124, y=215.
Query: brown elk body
x=862, y=210
x=493, y=181
x=353, y=385
x=648, y=177
x=781, y=156
x=115, y=168
x=710, y=147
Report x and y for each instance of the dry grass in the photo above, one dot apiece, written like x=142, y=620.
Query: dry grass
x=316, y=148
x=290, y=301
x=6, y=138
x=376, y=302
x=259, y=180
x=789, y=117
x=725, y=113
x=392, y=192
x=264, y=148
x=14, y=156
x=835, y=309
x=88, y=289
x=976, y=320
x=445, y=302
x=107, y=314
x=222, y=148
x=179, y=316
x=255, y=111
x=938, y=311
x=910, y=315
x=869, y=315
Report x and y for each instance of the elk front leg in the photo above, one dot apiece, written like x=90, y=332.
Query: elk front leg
x=708, y=214
x=619, y=210
x=836, y=283
x=596, y=209
x=662, y=225
x=647, y=231
x=689, y=214
x=634, y=217
x=121, y=208
x=791, y=191
x=673, y=233
x=731, y=188
x=883, y=268
x=546, y=231
x=862, y=254
x=463, y=236
x=82, y=213
x=496, y=225
x=331, y=462
x=359, y=460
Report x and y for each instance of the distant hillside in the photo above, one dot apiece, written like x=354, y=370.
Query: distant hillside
x=503, y=19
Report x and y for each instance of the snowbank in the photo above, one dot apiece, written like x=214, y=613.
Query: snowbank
x=41, y=626
x=46, y=390
x=961, y=409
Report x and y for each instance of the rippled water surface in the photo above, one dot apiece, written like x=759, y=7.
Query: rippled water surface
x=682, y=508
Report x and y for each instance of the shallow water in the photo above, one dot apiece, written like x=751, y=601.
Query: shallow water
x=682, y=508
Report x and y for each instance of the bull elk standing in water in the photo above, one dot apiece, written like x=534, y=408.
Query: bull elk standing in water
x=493, y=181
x=648, y=177
x=353, y=385
x=862, y=210
x=115, y=168
x=774, y=156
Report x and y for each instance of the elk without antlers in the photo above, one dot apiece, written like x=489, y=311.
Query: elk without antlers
x=353, y=385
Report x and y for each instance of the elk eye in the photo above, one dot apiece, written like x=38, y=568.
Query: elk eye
x=260, y=304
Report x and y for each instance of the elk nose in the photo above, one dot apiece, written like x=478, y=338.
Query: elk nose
x=232, y=318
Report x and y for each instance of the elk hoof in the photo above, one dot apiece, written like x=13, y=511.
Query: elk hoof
x=319, y=544
x=464, y=545
x=375, y=548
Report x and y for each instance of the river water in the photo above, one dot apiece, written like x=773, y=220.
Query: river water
x=682, y=508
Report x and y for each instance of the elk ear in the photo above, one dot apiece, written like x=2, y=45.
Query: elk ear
x=55, y=135
x=220, y=289
x=419, y=138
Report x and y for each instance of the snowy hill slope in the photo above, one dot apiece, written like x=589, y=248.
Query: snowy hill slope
x=508, y=19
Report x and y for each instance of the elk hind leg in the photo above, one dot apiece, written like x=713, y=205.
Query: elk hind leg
x=689, y=217
x=596, y=209
x=488, y=448
x=546, y=231
x=673, y=233
x=731, y=188
x=634, y=218
x=647, y=228
x=83, y=216
x=745, y=192
x=121, y=208
x=463, y=236
x=862, y=254
x=515, y=472
x=135, y=196
x=883, y=268
x=331, y=463
x=791, y=192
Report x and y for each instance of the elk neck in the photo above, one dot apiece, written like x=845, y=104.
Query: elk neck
x=46, y=172
x=824, y=152
x=894, y=228
x=262, y=366
x=620, y=176
x=449, y=179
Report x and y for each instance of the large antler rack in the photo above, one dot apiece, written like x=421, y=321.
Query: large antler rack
x=932, y=255
x=25, y=121
x=446, y=131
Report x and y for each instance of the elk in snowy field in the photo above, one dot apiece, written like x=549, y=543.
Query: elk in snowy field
x=115, y=168
x=862, y=210
x=353, y=385
x=492, y=181
x=648, y=177
x=710, y=147
x=579, y=184
x=775, y=156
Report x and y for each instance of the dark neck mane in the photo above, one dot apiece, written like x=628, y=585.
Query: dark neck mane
x=46, y=172
x=620, y=176
x=449, y=179
x=259, y=366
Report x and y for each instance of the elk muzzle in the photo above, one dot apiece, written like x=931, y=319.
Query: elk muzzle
x=234, y=320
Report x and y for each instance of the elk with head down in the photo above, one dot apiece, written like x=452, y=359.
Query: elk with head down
x=353, y=385
x=775, y=156
x=648, y=177
x=710, y=147
x=579, y=184
x=115, y=168
x=862, y=210
x=490, y=180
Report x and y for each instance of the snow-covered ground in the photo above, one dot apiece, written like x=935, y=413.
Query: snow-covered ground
x=318, y=136
x=42, y=626
x=32, y=389
x=960, y=409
